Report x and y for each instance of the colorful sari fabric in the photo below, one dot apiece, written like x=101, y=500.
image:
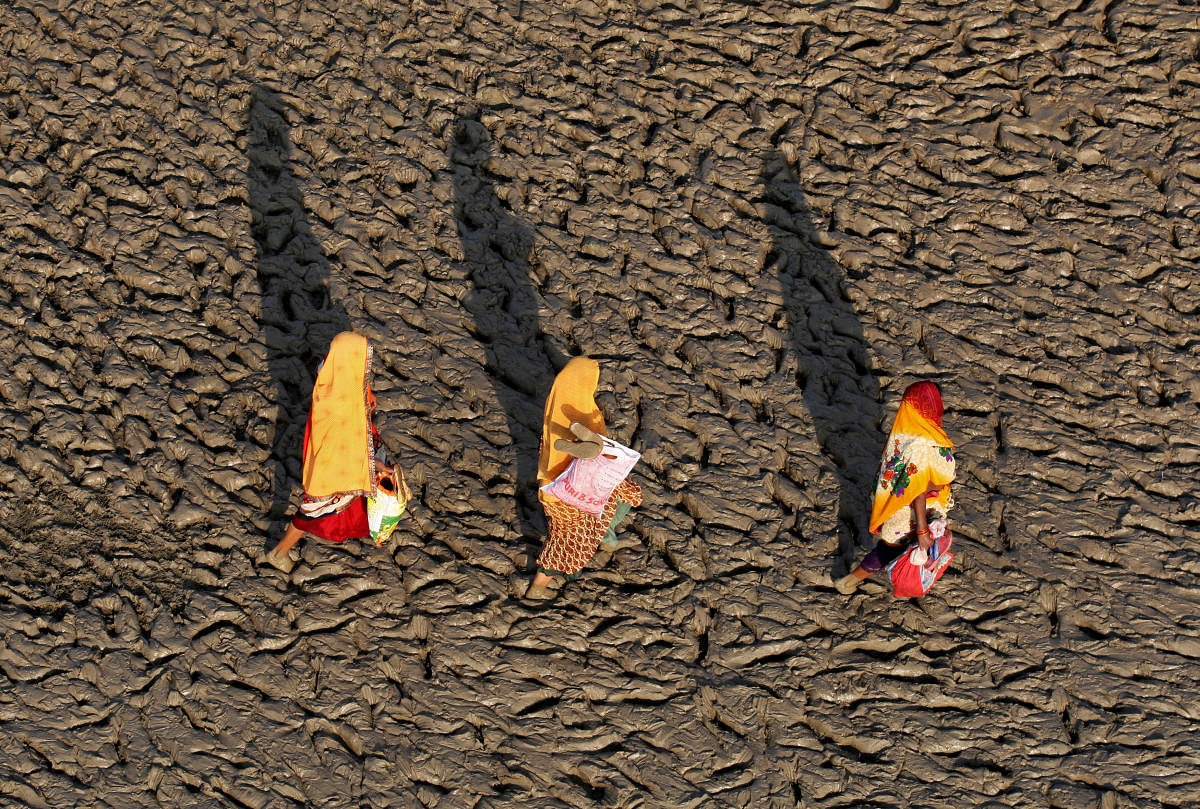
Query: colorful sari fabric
x=918, y=454
x=347, y=521
x=340, y=444
x=574, y=536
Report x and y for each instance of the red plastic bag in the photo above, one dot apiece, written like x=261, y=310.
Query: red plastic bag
x=910, y=579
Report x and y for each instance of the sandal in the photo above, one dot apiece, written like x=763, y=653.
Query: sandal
x=587, y=446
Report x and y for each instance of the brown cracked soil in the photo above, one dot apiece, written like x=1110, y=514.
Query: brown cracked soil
x=765, y=219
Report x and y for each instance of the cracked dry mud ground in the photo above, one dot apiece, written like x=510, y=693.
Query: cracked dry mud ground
x=766, y=219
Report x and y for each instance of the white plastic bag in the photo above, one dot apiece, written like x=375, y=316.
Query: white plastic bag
x=384, y=509
x=588, y=484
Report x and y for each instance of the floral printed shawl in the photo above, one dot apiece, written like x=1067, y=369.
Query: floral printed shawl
x=918, y=452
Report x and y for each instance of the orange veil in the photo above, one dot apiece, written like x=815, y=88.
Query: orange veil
x=573, y=398
x=918, y=453
x=338, y=440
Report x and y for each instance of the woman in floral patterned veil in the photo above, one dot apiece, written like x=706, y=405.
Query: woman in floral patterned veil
x=913, y=485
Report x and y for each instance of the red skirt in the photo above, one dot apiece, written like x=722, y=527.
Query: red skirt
x=349, y=523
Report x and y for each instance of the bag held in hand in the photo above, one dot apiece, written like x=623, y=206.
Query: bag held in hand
x=385, y=508
x=588, y=484
x=911, y=575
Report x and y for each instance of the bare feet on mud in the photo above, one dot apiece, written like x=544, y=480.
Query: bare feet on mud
x=280, y=561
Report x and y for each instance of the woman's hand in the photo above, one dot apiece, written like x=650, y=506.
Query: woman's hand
x=405, y=492
x=396, y=472
x=924, y=539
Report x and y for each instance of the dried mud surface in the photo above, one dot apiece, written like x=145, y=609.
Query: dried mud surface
x=766, y=219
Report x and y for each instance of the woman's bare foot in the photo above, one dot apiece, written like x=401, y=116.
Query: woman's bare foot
x=849, y=583
x=542, y=587
x=602, y=557
x=278, y=557
x=281, y=562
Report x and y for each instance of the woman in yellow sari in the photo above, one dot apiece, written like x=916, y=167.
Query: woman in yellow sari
x=572, y=428
x=913, y=485
x=343, y=454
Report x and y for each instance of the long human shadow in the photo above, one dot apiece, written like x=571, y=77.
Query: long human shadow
x=503, y=302
x=833, y=368
x=299, y=319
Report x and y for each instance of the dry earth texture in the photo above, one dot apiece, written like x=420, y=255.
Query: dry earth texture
x=765, y=219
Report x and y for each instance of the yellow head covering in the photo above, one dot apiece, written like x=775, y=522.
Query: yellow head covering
x=337, y=440
x=573, y=398
x=918, y=453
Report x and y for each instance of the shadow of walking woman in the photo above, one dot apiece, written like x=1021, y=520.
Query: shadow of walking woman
x=299, y=319
x=833, y=367
x=503, y=303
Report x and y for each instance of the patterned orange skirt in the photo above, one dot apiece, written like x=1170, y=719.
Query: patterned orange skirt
x=575, y=536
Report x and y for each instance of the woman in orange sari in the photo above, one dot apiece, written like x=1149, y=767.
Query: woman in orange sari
x=343, y=454
x=913, y=485
x=572, y=428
